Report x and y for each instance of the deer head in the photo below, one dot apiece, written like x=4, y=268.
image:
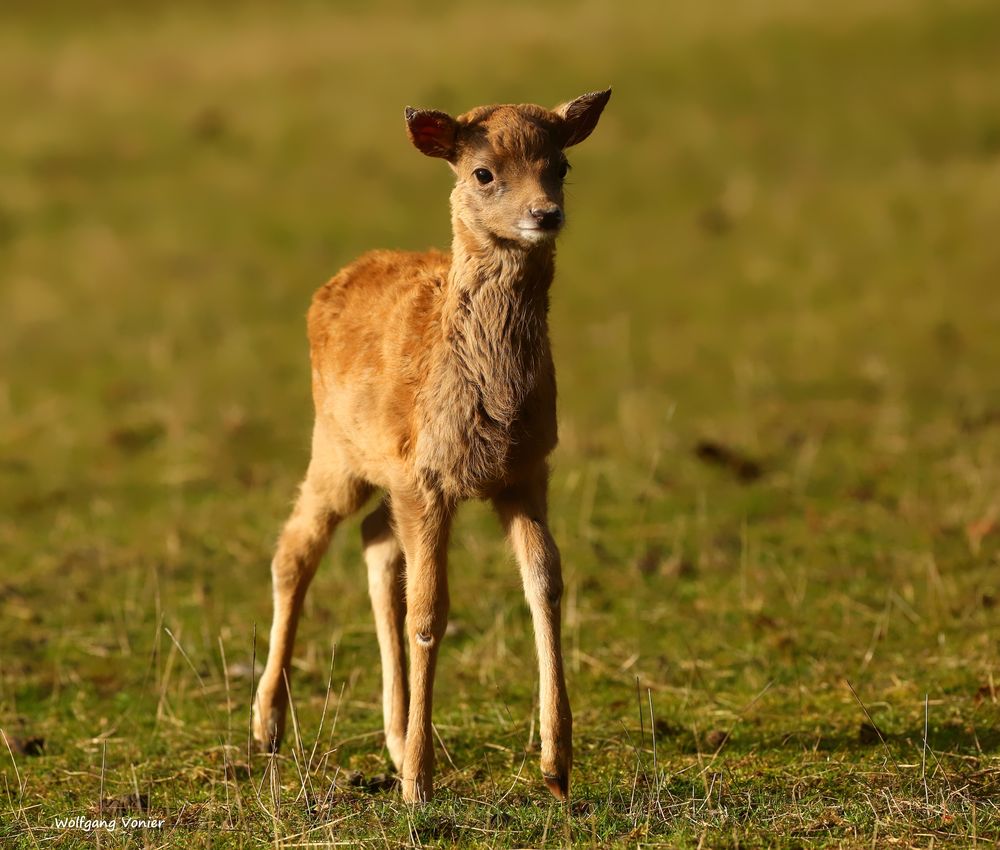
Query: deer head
x=509, y=163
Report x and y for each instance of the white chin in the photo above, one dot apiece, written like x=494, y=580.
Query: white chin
x=534, y=235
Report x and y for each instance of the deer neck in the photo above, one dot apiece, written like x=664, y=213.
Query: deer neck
x=496, y=319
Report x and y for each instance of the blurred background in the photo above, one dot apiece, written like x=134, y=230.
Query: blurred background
x=775, y=321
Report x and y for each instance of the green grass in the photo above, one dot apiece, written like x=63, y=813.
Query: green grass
x=784, y=239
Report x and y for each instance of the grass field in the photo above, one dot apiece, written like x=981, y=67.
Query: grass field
x=777, y=328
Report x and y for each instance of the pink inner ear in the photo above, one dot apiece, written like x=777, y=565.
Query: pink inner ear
x=433, y=134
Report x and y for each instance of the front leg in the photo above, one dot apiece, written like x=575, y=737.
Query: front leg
x=523, y=511
x=422, y=524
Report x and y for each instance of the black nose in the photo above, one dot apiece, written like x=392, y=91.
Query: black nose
x=548, y=218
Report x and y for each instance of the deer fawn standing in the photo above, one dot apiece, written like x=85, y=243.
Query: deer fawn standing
x=433, y=381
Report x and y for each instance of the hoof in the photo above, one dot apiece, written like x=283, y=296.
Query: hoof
x=558, y=785
x=266, y=734
x=415, y=791
x=396, y=745
x=268, y=747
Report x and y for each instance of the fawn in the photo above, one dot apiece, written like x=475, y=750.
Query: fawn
x=433, y=381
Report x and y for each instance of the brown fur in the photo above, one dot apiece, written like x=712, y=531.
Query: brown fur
x=433, y=381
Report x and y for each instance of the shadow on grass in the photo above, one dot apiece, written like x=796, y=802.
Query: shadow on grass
x=949, y=738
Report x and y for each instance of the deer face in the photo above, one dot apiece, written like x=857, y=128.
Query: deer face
x=509, y=164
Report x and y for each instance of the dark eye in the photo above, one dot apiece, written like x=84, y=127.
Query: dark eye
x=483, y=175
x=564, y=167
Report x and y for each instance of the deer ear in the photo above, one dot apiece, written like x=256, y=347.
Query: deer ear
x=432, y=132
x=580, y=115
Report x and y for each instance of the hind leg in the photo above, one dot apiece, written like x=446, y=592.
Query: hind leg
x=386, y=570
x=326, y=497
